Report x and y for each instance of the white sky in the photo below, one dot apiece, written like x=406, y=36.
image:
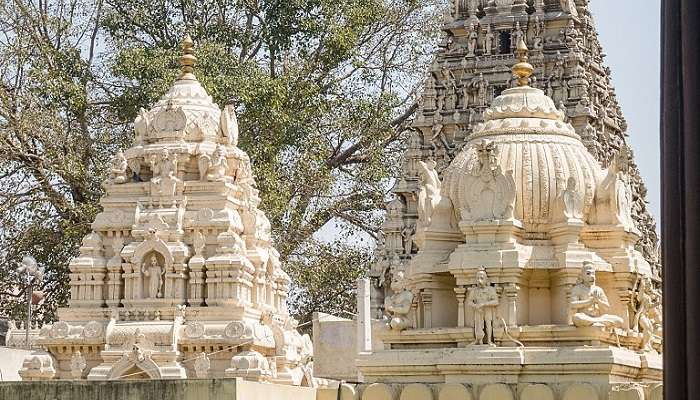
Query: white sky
x=630, y=34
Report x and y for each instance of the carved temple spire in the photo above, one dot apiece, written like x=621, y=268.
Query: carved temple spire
x=187, y=59
x=523, y=69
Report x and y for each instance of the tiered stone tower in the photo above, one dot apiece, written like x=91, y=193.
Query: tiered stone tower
x=526, y=283
x=472, y=67
x=178, y=278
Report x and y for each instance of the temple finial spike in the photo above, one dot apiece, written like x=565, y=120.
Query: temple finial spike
x=523, y=69
x=187, y=59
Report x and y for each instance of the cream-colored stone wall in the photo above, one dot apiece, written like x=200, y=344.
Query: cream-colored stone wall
x=459, y=391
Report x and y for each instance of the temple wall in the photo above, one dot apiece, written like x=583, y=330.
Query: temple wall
x=458, y=391
x=191, y=389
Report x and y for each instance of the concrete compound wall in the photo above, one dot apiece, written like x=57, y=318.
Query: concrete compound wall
x=458, y=391
x=191, y=389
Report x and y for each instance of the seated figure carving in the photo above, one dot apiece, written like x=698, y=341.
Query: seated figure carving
x=589, y=302
x=117, y=170
x=398, y=306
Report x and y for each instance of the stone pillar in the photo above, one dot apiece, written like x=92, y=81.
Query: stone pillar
x=427, y=300
x=461, y=293
x=416, y=308
x=364, y=320
x=511, y=291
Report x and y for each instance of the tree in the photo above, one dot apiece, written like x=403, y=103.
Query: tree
x=325, y=90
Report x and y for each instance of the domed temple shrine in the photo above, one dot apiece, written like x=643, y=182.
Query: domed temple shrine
x=526, y=282
x=178, y=278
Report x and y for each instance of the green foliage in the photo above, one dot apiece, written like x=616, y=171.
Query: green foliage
x=324, y=89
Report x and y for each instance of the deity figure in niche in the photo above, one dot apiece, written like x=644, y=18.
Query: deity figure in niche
x=589, y=303
x=398, y=305
x=117, y=169
x=484, y=300
x=154, y=272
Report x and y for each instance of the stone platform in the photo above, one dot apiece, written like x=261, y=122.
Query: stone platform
x=192, y=389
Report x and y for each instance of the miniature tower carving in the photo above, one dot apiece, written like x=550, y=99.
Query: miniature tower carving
x=180, y=261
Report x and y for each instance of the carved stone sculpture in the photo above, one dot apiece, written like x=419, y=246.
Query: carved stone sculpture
x=398, y=306
x=77, y=365
x=490, y=194
x=118, y=166
x=569, y=204
x=589, y=302
x=473, y=40
x=647, y=318
x=164, y=168
x=489, y=40
x=614, y=195
x=219, y=165
x=429, y=195
x=202, y=365
x=154, y=272
x=483, y=298
x=229, y=124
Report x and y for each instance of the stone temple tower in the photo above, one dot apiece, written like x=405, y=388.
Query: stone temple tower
x=526, y=283
x=178, y=278
x=471, y=68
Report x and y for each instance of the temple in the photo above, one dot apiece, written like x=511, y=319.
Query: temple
x=511, y=265
x=471, y=68
x=178, y=278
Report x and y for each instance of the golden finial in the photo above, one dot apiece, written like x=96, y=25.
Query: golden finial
x=523, y=69
x=187, y=59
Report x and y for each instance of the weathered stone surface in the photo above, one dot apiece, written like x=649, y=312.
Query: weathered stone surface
x=416, y=391
x=537, y=392
x=199, y=389
x=580, y=391
x=454, y=391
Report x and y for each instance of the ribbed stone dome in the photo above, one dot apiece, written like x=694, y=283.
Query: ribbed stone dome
x=528, y=136
x=185, y=112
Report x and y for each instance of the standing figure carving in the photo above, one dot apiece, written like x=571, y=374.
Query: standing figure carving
x=480, y=88
x=589, y=302
x=489, y=40
x=429, y=194
x=473, y=41
x=398, y=305
x=483, y=298
x=647, y=319
x=154, y=272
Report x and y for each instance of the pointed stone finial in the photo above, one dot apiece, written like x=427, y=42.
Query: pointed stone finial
x=187, y=59
x=523, y=69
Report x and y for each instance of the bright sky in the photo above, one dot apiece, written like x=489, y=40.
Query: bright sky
x=630, y=34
